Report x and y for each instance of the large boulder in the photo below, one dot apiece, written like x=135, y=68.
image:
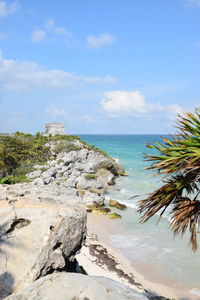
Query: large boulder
x=92, y=198
x=40, y=231
x=69, y=286
x=97, y=161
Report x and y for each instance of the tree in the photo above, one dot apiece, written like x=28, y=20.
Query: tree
x=179, y=161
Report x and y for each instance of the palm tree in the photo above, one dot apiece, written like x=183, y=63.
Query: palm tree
x=179, y=161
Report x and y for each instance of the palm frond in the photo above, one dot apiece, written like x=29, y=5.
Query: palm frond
x=179, y=161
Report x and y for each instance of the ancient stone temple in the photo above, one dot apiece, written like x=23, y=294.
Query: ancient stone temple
x=54, y=128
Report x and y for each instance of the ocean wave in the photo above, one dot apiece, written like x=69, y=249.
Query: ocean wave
x=124, y=191
x=128, y=204
x=195, y=292
x=134, y=247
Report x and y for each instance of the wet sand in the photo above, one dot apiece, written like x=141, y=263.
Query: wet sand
x=98, y=257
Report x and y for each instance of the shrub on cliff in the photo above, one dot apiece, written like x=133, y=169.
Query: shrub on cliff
x=19, y=152
x=179, y=161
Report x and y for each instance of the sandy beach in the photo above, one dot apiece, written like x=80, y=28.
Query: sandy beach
x=98, y=257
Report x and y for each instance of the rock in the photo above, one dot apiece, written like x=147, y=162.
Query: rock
x=34, y=174
x=38, y=181
x=82, y=154
x=68, y=157
x=83, y=169
x=123, y=173
x=70, y=286
x=79, y=166
x=64, y=169
x=114, y=216
x=85, y=184
x=117, y=204
x=51, y=172
x=39, y=233
x=72, y=182
x=48, y=180
x=98, y=209
x=106, y=175
x=92, y=198
x=39, y=167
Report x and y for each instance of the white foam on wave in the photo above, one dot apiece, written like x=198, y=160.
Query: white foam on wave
x=132, y=205
x=115, y=159
x=134, y=247
x=124, y=191
x=128, y=204
x=195, y=292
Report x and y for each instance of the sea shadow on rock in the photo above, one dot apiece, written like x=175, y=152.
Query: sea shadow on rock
x=6, y=278
x=6, y=285
x=153, y=296
x=5, y=238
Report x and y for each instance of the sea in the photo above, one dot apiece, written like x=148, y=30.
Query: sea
x=169, y=261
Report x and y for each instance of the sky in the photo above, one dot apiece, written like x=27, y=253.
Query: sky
x=99, y=67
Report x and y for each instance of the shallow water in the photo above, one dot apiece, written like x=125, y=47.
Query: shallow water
x=168, y=260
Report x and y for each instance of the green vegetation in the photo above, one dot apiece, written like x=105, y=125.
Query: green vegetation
x=20, y=152
x=65, y=147
x=11, y=179
x=179, y=161
x=90, y=176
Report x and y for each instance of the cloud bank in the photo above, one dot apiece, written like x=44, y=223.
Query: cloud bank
x=118, y=103
x=26, y=75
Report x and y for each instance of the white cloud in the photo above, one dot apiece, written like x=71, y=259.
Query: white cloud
x=101, y=40
x=57, y=114
x=37, y=36
x=49, y=32
x=7, y=9
x=86, y=119
x=55, y=111
x=26, y=75
x=49, y=23
x=3, y=36
x=117, y=103
x=172, y=110
x=192, y=3
x=62, y=31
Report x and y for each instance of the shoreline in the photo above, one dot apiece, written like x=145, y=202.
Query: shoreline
x=99, y=258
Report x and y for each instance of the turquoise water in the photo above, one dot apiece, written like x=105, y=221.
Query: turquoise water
x=153, y=247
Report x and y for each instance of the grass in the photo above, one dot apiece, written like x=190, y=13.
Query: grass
x=90, y=176
x=14, y=179
x=64, y=147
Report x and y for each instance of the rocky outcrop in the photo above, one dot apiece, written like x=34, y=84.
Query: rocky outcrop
x=43, y=224
x=116, y=204
x=40, y=231
x=68, y=286
x=84, y=170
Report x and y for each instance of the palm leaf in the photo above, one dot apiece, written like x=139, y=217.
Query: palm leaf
x=179, y=161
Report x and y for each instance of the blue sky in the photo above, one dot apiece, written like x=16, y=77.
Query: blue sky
x=125, y=66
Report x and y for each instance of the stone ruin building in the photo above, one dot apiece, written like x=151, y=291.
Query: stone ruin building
x=54, y=128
